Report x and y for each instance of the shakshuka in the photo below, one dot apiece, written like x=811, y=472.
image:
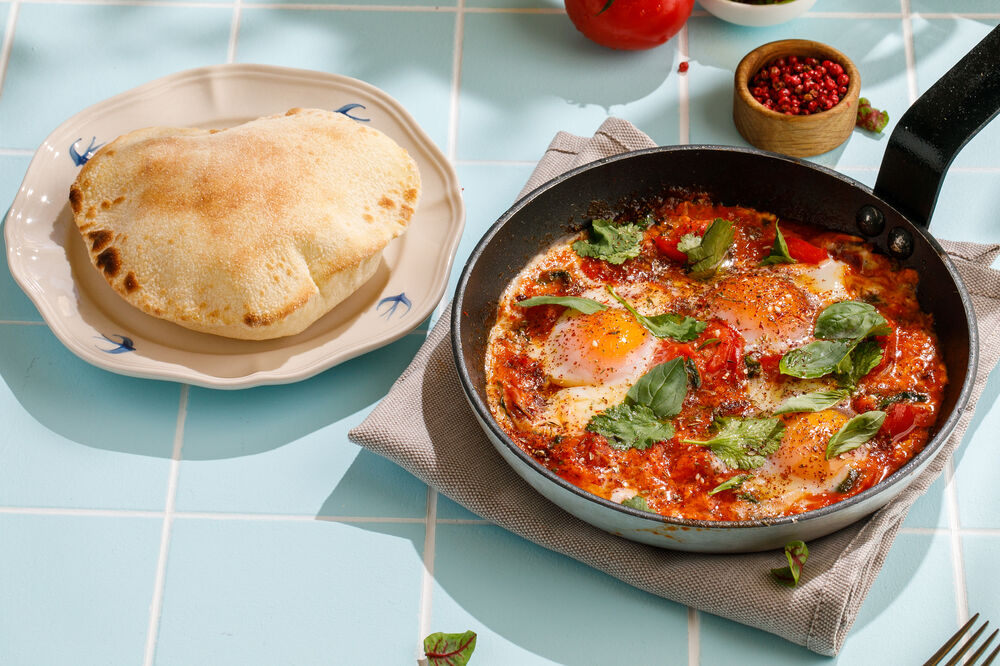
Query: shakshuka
x=712, y=362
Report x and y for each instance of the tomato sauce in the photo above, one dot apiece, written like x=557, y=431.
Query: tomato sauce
x=753, y=316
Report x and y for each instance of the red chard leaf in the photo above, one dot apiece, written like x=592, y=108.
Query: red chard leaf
x=449, y=649
x=796, y=553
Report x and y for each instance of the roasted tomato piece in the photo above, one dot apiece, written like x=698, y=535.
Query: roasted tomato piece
x=900, y=420
x=803, y=251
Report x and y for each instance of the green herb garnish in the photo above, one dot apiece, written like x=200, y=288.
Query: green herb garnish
x=630, y=426
x=662, y=389
x=796, y=552
x=708, y=343
x=903, y=396
x=449, y=649
x=614, y=243
x=816, y=401
x=584, y=305
x=849, y=481
x=779, y=251
x=744, y=443
x=694, y=378
x=730, y=484
x=841, y=328
x=637, y=502
x=667, y=325
x=706, y=252
x=754, y=368
x=855, y=432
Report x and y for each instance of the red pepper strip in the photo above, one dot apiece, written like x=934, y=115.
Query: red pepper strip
x=803, y=251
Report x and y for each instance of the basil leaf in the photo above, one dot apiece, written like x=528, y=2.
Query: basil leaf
x=815, y=359
x=744, y=443
x=629, y=426
x=584, y=305
x=708, y=343
x=858, y=363
x=637, y=502
x=449, y=649
x=730, y=484
x=668, y=325
x=706, y=253
x=611, y=242
x=850, y=320
x=903, y=396
x=855, y=432
x=816, y=401
x=796, y=552
x=662, y=389
x=779, y=251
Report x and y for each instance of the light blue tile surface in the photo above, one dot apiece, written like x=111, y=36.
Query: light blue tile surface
x=262, y=592
x=981, y=552
x=530, y=606
x=76, y=590
x=953, y=6
x=57, y=68
x=938, y=44
x=364, y=45
x=912, y=599
x=976, y=465
x=513, y=104
x=78, y=437
x=284, y=449
x=856, y=7
x=716, y=48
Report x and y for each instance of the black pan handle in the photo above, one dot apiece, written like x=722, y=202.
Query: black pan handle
x=938, y=125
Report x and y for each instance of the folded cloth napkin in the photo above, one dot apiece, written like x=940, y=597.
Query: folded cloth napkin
x=426, y=426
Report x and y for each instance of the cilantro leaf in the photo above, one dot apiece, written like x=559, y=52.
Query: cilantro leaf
x=662, y=389
x=779, y=251
x=637, y=502
x=730, y=484
x=584, y=305
x=744, y=443
x=855, y=432
x=611, y=242
x=443, y=649
x=630, y=426
x=796, y=552
x=705, y=253
x=667, y=325
x=816, y=401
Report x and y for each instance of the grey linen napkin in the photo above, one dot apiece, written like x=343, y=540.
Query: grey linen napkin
x=426, y=426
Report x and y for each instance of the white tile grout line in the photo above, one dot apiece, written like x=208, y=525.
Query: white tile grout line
x=8, y=41
x=156, y=605
x=908, y=50
x=234, y=32
x=427, y=578
x=958, y=559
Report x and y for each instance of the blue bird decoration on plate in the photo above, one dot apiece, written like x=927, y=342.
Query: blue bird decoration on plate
x=122, y=345
x=393, y=303
x=81, y=159
x=347, y=108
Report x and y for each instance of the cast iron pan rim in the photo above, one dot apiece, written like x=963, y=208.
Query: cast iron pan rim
x=929, y=451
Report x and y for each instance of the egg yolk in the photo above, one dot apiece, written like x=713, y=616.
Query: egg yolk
x=763, y=307
x=601, y=348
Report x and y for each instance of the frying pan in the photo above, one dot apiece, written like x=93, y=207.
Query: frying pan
x=893, y=217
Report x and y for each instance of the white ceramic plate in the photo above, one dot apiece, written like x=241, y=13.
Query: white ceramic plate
x=48, y=259
x=756, y=15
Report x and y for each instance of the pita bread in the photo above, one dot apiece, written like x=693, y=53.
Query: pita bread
x=250, y=232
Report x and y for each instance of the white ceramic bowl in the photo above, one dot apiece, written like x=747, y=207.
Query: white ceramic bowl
x=756, y=15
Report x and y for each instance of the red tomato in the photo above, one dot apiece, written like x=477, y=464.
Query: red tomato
x=727, y=354
x=629, y=24
x=668, y=244
x=804, y=251
x=900, y=420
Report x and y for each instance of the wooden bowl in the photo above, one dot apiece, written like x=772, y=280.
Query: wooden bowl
x=798, y=136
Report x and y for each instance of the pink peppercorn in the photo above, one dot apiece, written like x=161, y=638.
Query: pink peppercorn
x=797, y=85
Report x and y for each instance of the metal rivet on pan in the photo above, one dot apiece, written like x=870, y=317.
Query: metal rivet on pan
x=900, y=243
x=870, y=220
